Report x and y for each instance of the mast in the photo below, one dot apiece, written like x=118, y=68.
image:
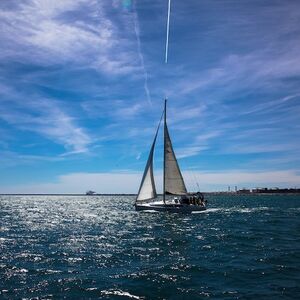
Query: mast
x=165, y=110
x=165, y=136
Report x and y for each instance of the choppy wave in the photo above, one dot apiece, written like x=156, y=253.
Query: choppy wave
x=99, y=247
x=121, y=293
x=234, y=210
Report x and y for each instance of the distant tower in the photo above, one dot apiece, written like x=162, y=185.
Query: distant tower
x=235, y=188
x=229, y=189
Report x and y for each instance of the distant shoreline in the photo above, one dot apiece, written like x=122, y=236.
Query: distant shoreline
x=205, y=193
x=67, y=195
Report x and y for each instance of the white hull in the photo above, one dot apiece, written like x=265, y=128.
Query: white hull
x=171, y=207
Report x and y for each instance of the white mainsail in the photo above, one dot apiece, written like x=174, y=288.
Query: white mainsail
x=174, y=183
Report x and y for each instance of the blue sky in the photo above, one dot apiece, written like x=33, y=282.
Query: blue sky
x=82, y=84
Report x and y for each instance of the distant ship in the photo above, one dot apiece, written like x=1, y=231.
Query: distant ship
x=175, y=195
x=89, y=193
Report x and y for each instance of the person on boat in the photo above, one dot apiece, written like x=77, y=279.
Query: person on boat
x=200, y=196
x=194, y=200
x=184, y=199
x=200, y=199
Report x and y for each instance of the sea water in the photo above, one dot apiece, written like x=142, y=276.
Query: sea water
x=99, y=247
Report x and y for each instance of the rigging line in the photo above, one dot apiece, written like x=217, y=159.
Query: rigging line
x=196, y=179
x=168, y=32
x=161, y=118
x=193, y=175
x=187, y=173
x=158, y=126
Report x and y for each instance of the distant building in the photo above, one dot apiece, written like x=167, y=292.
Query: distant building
x=244, y=191
x=275, y=190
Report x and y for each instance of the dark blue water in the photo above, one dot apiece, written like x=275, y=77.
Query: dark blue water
x=243, y=247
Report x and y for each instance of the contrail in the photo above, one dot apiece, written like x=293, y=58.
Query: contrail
x=168, y=31
x=137, y=33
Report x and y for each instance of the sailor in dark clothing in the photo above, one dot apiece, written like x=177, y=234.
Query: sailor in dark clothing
x=200, y=195
x=194, y=200
x=200, y=198
x=184, y=200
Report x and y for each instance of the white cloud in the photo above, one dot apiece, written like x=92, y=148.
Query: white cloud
x=117, y=109
x=238, y=72
x=200, y=143
x=129, y=111
x=189, y=151
x=269, y=106
x=12, y=159
x=128, y=182
x=185, y=113
x=81, y=182
x=44, y=32
x=203, y=138
x=288, y=177
x=141, y=56
x=44, y=116
x=258, y=147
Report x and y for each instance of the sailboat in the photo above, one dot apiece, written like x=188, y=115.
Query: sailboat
x=175, y=197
